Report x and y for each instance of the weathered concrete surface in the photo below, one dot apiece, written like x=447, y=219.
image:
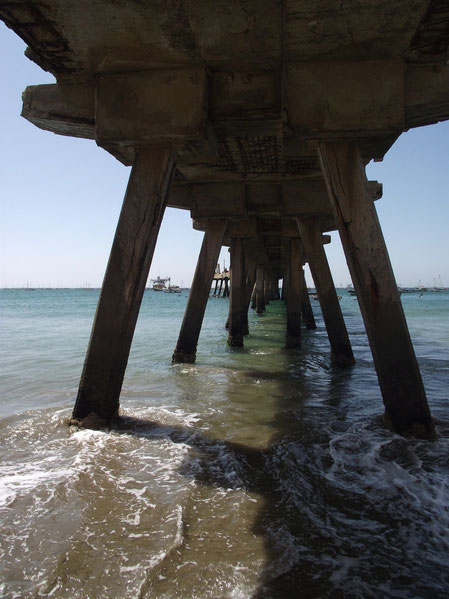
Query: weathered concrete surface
x=134, y=36
x=123, y=285
x=366, y=254
x=66, y=109
x=261, y=83
x=143, y=108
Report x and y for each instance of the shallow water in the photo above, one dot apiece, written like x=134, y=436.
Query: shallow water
x=255, y=473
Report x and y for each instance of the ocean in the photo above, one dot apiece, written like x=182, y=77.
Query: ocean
x=256, y=473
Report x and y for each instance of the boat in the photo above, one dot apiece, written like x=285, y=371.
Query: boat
x=350, y=289
x=160, y=284
x=418, y=289
x=172, y=288
x=438, y=285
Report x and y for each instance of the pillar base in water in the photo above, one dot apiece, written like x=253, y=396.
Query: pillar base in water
x=416, y=430
x=235, y=340
x=342, y=360
x=182, y=357
x=92, y=421
x=292, y=341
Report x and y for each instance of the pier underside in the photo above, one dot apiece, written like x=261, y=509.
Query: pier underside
x=259, y=118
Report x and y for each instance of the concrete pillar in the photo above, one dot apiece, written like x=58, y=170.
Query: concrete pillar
x=123, y=287
x=216, y=285
x=199, y=293
x=372, y=275
x=238, y=293
x=260, y=297
x=277, y=294
x=295, y=283
x=341, y=351
x=271, y=288
x=254, y=297
x=250, y=280
x=219, y=289
x=266, y=289
x=306, y=306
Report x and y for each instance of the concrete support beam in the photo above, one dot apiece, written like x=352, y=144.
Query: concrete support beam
x=155, y=106
x=426, y=97
x=254, y=295
x=238, y=293
x=319, y=105
x=306, y=306
x=123, y=287
x=250, y=281
x=226, y=288
x=199, y=293
x=295, y=285
x=341, y=351
x=260, y=296
x=266, y=290
x=62, y=109
x=367, y=257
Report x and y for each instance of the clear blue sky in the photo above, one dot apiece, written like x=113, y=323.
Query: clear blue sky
x=60, y=198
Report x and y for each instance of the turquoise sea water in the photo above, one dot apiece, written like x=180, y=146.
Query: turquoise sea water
x=255, y=473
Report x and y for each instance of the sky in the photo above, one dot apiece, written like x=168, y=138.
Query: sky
x=60, y=198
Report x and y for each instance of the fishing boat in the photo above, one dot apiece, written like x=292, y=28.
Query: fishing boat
x=172, y=288
x=160, y=284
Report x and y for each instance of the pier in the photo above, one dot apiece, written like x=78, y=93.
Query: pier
x=221, y=282
x=259, y=119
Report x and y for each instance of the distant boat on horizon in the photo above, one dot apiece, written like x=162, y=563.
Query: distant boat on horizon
x=159, y=284
x=438, y=285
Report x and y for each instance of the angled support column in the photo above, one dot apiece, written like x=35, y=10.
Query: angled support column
x=369, y=264
x=123, y=287
x=341, y=351
x=238, y=293
x=252, y=301
x=266, y=290
x=260, y=297
x=306, y=306
x=295, y=283
x=199, y=293
x=249, y=287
